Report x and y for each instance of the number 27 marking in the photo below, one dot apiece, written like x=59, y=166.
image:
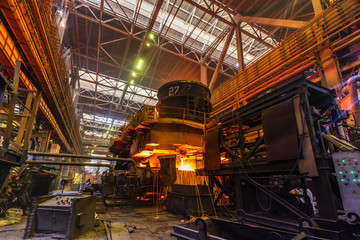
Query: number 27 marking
x=173, y=90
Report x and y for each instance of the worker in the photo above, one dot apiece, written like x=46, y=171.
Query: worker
x=15, y=184
x=10, y=196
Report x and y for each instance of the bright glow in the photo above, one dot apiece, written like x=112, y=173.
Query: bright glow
x=132, y=82
x=186, y=167
x=139, y=64
x=133, y=74
x=165, y=152
x=148, y=44
x=151, y=36
x=143, y=153
x=352, y=172
x=62, y=23
x=142, y=165
x=152, y=144
x=342, y=180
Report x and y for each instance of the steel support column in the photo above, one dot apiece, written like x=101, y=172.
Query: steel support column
x=239, y=49
x=329, y=71
x=10, y=119
x=24, y=119
x=45, y=141
x=32, y=120
x=317, y=7
x=203, y=74
x=221, y=59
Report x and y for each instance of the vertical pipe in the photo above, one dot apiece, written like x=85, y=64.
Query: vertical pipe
x=354, y=98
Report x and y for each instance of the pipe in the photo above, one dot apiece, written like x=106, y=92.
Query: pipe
x=354, y=98
x=47, y=154
x=69, y=163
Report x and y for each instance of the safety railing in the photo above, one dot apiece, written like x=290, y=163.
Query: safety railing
x=183, y=114
x=295, y=54
x=152, y=114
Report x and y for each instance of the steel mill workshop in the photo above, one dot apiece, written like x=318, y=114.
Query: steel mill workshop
x=180, y=119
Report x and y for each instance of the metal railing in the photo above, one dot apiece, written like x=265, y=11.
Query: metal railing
x=152, y=113
x=183, y=114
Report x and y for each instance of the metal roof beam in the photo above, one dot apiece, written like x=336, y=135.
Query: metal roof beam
x=136, y=37
x=208, y=11
x=276, y=22
x=222, y=56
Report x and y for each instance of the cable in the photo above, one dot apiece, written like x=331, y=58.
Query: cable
x=259, y=203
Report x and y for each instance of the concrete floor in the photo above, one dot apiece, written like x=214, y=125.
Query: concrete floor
x=150, y=224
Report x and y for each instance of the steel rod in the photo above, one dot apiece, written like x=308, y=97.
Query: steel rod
x=69, y=163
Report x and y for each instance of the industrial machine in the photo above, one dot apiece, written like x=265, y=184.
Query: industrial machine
x=61, y=216
x=274, y=145
x=283, y=169
x=166, y=143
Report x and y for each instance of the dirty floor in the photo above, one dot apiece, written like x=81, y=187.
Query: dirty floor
x=145, y=222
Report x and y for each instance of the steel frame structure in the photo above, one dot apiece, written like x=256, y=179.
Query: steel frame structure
x=193, y=32
x=250, y=164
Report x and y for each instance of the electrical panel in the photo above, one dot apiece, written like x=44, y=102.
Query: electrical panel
x=347, y=167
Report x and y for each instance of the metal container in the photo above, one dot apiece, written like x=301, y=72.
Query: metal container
x=184, y=99
x=183, y=88
x=62, y=216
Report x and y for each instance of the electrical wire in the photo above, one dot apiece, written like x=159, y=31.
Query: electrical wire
x=250, y=179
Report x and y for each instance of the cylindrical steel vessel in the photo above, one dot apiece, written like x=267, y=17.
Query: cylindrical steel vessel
x=184, y=99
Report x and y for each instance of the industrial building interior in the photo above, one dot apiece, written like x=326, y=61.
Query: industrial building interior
x=180, y=119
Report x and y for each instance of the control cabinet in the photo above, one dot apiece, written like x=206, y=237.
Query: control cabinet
x=347, y=166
